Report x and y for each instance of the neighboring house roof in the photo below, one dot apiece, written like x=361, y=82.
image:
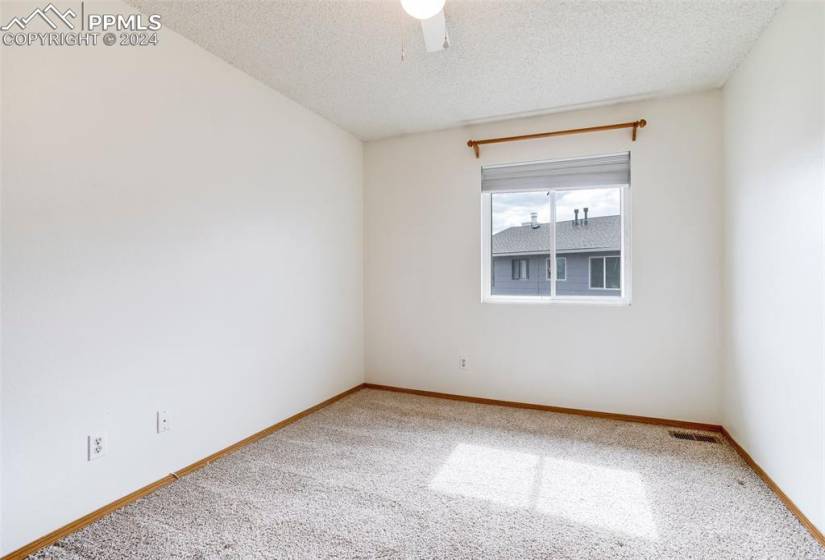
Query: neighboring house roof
x=599, y=234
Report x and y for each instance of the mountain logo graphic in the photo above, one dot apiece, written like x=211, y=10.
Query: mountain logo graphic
x=43, y=13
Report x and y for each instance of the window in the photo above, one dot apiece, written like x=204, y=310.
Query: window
x=605, y=273
x=574, y=213
x=521, y=269
x=561, y=269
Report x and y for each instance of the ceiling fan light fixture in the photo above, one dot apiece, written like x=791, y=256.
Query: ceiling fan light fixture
x=422, y=9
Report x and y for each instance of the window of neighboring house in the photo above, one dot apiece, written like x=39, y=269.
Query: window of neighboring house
x=578, y=207
x=561, y=269
x=521, y=269
x=605, y=273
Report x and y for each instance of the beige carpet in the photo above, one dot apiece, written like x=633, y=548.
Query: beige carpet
x=385, y=475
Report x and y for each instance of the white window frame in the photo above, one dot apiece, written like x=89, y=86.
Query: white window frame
x=549, y=273
x=604, y=273
x=624, y=297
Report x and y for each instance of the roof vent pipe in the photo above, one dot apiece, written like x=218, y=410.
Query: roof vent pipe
x=576, y=218
x=585, y=215
x=534, y=220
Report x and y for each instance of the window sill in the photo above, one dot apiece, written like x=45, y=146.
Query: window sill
x=545, y=300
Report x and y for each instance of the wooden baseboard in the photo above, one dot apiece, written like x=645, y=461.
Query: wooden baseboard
x=792, y=507
x=90, y=518
x=803, y=519
x=265, y=432
x=66, y=530
x=87, y=519
x=547, y=408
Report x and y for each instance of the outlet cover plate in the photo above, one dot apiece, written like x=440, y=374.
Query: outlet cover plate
x=96, y=446
x=163, y=421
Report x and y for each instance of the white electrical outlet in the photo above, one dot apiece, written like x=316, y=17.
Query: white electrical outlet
x=163, y=421
x=97, y=446
x=463, y=362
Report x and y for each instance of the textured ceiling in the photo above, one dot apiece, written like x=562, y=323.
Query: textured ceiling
x=508, y=58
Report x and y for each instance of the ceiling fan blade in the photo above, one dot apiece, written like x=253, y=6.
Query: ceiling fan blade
x=436, y=37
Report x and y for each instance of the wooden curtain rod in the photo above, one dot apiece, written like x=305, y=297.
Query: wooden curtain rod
x=635, y=125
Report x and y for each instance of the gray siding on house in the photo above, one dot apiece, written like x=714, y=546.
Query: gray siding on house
x=576, y=284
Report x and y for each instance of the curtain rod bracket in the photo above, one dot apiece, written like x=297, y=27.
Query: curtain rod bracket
x=635, y=125
x=474, y=145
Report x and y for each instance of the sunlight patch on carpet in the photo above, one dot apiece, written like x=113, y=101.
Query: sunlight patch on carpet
x=496, y=475
x=607, y=498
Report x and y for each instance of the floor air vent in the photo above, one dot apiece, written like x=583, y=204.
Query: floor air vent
x=693, y=437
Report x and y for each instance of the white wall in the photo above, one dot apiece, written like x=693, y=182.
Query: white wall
x=659, y=357
x=175, y=235
x=774, y=388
